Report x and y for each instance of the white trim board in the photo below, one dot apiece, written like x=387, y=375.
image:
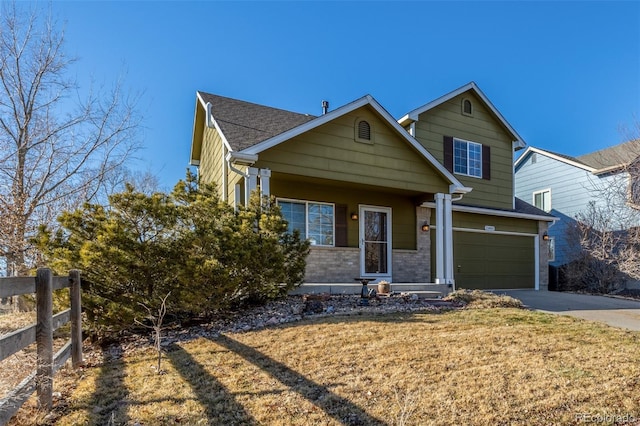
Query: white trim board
x=532, y=149
x=490, y=212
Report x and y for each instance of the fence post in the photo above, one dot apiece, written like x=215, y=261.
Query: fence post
x=44, y=337
x=76, y=318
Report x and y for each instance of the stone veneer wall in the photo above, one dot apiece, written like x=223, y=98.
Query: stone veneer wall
x=414, y=266
x=332, y=265
x=342, y=264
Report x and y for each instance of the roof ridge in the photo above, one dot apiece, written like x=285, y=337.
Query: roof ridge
x=227, y=98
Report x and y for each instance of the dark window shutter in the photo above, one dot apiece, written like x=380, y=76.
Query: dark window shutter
x=486, y=162
x=341, y=225
x=448, y=153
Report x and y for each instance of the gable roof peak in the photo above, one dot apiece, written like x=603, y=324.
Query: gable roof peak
x=471, y=86
x=244, y=124
x=556, y=156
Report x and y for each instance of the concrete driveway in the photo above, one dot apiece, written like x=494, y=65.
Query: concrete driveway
x=616, y=312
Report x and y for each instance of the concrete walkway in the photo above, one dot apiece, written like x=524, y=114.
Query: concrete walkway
x=616, y=312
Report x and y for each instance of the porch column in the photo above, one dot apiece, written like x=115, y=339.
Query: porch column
x=448, y=240
x=237, y=197
x=265, y=184
x=250, y=183
x=225, y=173
x=440, y=277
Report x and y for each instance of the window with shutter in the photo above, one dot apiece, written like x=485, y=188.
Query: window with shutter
x=315, y=221
x=467, y=158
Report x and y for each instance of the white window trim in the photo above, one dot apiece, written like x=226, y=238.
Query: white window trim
x=542, y=191
x=306, y=217
x=454, y=157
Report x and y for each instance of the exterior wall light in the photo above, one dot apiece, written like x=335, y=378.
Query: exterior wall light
x=354, y=216
x=425, y=227
x=545, y=236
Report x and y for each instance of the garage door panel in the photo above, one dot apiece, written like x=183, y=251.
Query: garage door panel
x=493, y=261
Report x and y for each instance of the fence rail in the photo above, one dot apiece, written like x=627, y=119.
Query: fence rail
x=41, y=380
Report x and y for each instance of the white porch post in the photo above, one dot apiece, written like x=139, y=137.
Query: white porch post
x=440, y=277
x=237, y=198
x=225, y=173
x=448, y=240
x=250, y=183
x=265, y=184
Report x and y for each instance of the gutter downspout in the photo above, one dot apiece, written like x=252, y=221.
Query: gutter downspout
x=448, y=231
x=250, y=177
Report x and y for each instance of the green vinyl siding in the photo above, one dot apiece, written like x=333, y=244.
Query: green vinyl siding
x=331, y=152
x=403, y=214
x=499, y=223
x=448, y=120
x=505, y=224
x=211, y=157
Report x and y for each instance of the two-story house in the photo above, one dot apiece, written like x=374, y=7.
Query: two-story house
x=425, y=199
x=564, y=186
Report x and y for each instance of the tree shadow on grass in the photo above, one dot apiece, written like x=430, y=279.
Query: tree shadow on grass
x=110, y=398
x=341, y=409
x=220, y=405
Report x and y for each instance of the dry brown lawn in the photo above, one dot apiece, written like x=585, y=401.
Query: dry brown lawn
x=465, y=367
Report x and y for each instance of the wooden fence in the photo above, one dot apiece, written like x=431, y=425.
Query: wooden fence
x=41, y=380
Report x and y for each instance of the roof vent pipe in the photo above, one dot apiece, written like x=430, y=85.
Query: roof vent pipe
x=325, y=107
x=209, y=117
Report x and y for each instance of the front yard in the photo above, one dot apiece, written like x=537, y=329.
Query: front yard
x=483, y=366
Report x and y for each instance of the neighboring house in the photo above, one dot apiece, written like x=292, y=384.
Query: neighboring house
x=564, y=186
x=425, y=199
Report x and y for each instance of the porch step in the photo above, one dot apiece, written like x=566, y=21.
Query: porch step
x=423, y=290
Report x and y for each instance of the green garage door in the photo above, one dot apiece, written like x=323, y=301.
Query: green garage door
x=492, y=261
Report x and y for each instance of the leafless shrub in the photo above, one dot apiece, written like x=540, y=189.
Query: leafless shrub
x=156, y=326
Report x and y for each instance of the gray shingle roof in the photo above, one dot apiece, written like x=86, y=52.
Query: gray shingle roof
x=521, y=207
x=526, y=208
x=245, y=124
x=568, y=157
x=622, y=154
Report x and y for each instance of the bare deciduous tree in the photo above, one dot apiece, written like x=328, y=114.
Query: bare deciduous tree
x=54, y=151
x=605, y=239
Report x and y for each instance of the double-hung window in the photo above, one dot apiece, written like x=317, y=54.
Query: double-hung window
x=542, y=200
x=315, y=221
x=467, y=158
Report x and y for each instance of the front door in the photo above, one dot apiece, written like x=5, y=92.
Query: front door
x=375, y=242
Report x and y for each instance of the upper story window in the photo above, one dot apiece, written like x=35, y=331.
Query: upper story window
x=542, y=200
x=467, y=158
x=315, y=221
x=467, y=107
x=363, y=131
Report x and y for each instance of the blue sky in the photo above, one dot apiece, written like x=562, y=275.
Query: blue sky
x=566, y=75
